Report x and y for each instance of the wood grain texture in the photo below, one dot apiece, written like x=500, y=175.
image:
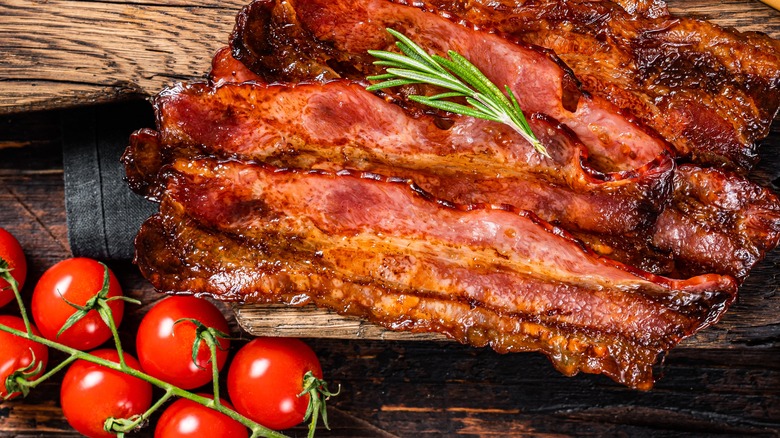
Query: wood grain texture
x=62, y=53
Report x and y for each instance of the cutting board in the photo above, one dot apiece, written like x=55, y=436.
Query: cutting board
x=66, y=53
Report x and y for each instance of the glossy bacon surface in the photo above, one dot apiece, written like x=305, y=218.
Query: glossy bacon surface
x=384, y=233
x=340, y=125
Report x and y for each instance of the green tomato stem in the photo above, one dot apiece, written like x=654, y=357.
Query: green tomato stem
x=214, y=370
x=117, y=341
x=5, y=274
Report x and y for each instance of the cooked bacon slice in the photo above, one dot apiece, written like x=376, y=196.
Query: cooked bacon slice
x=413, y=254
x=712, y=92
x=340, y=125
x=348, y=29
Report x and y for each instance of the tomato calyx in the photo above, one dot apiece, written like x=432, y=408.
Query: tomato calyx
x=318, y=395
x=20, y=380
x=209, y=335
x=99, y=303
x=119, y=426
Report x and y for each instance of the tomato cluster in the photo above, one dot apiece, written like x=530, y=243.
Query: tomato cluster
x=174, y=344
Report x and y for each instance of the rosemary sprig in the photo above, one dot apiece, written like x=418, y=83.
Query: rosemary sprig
x=415, y=66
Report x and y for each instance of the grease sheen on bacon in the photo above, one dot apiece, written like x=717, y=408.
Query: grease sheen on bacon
x=340, y=125
x=370, y=230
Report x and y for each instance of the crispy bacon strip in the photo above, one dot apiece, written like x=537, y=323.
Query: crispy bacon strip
x=334, y=36
x=366, y=229
x=340, y=125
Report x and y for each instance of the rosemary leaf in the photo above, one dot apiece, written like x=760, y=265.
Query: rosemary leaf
x=390, y=84
x=453, y=107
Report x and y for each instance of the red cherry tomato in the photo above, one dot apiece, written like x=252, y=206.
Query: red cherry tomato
x=265, y=378
x=76, y=280
x=185, y=418
x=11, y=252
x=92, y=393
x=165, y=349
x=15, y=352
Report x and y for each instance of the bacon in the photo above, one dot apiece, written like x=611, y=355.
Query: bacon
x=340, y=125
x=460, y=164
x=225, y=69
x=718, y=219
x=410, y=251
x=312, y=190
x=711, y=92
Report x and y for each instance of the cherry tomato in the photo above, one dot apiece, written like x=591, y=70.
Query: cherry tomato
x=165, y=349
x=15, y=352
x=11, y=252
x=76, y=280
x=265, y=378
x=92, y=393
x=185, y=418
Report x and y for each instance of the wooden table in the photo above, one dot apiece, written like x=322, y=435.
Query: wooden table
x=724, y=381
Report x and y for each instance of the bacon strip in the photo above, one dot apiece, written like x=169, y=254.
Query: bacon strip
x=720, y=220
x=366, y=229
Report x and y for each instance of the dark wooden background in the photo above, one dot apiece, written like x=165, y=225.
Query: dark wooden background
x=723, y=382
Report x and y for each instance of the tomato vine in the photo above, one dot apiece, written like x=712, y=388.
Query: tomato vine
x=21, y=383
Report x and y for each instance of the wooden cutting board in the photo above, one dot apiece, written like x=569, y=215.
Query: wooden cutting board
x=66, y=53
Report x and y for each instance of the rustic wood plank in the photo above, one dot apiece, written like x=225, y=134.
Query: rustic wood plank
x=61, y=53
